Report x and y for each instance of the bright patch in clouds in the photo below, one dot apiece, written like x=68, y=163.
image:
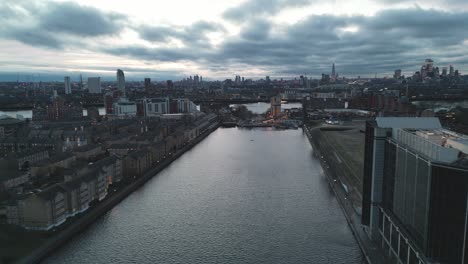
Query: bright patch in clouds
x=350, y=29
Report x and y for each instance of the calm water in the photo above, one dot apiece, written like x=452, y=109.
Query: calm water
x=240, y=196
x=260, y=108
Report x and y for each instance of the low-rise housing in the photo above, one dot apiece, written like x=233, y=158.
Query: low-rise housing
x=50, y=207
x=11, y=178
x=122, y=149
x=136, y=163
x=41, y=210
x=48, y=166
x=88, y=151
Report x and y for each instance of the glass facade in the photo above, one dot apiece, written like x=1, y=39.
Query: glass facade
x=427, y=201
x=407, y=178
x=422, y=204
x=389, y=175
x=367, y=177
x=447, y=227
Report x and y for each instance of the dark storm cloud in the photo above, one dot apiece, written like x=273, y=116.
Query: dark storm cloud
x=54, y=24
x=254, y=8
x=388, y=40
x=155, y=54
x=157, y=33
x=71, y=18
x=36, y=38
x=192, y=35
x=256, y=30
x=391, y=39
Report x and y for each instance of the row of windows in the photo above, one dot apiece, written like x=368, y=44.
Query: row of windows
x=156, y=108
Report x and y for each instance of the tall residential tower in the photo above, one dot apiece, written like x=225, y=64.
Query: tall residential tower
x=67, y=85
x=333, y=71
x=94, y=85
x=121, y=82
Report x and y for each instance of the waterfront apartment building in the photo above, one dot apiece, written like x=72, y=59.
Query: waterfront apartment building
x=156, y=106
x=184, y=105
x=124, y=108
x=40, y=211
x=57, y=110
x=415, y=190
x=50, y=207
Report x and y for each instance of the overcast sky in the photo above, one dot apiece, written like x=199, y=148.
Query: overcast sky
x=219, y=39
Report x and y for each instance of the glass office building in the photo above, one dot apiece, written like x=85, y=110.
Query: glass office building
x=420, y=214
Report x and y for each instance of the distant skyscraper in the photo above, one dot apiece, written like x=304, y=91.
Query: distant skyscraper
x=452, y=71
x=147, y=84
x=121, y=82
x=170, y=84
x=67, y=85
x=94, y=85
x=397, y=74
x=429, y=65
x=436, y=72
x=333, y=71
x=444, y=71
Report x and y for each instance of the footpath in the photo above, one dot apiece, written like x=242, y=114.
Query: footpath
x=373, y=254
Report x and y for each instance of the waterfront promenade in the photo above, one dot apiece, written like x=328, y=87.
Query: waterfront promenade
x=373, y=254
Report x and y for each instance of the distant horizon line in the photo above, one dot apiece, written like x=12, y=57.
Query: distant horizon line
x=52, y=77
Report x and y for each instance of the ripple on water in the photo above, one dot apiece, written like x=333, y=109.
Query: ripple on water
x=228, y=200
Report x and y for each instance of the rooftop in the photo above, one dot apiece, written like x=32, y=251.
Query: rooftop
x=157, y=100
x=7, y=120
x=438, y=144
x=409, y=122
x=443, y=138
x=87, y=147
x=50, y=192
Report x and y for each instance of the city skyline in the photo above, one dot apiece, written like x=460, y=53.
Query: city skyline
x=248, y=38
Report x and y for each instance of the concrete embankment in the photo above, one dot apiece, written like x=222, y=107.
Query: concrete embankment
x=332, y=171
x=95, y=212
